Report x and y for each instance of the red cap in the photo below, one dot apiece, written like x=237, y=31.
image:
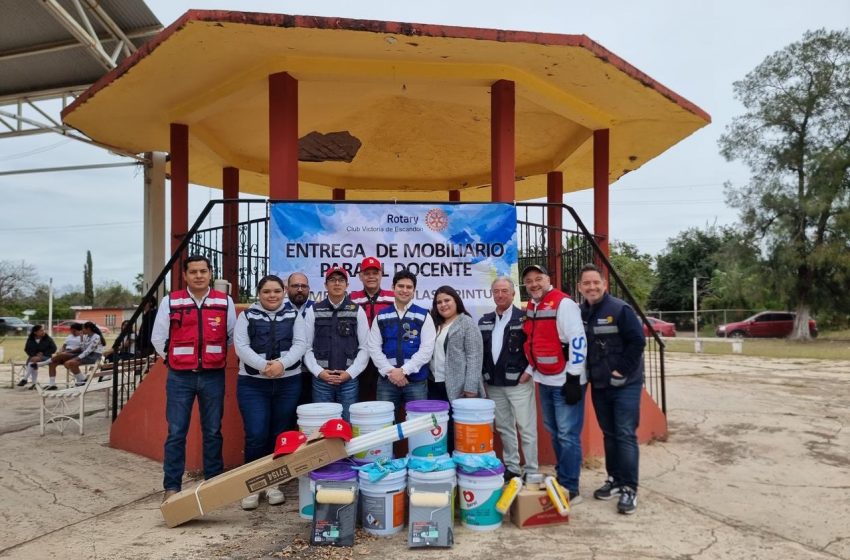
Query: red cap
x=370, y=262
x=288, y=442
x=336, y=428
x=336, y=269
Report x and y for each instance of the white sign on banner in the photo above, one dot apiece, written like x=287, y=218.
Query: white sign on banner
x=465, y=246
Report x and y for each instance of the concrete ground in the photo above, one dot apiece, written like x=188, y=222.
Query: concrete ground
x=757, y=465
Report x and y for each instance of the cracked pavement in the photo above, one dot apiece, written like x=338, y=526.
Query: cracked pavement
x=756, y=465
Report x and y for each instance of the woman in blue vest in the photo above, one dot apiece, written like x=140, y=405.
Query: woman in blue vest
x=270, y=341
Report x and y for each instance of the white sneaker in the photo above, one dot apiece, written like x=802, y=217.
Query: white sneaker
x=251, y=502
x=275, y=496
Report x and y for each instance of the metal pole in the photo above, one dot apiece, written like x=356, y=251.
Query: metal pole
x=697, y=346
x=50, y=308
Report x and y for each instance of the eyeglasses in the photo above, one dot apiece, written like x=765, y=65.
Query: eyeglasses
x=336, y=280
x=300, y=286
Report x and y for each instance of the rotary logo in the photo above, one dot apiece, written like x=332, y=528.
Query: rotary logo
x=436, y=219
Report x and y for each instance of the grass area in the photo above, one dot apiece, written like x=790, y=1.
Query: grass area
x=13, y=347
x=826, y=348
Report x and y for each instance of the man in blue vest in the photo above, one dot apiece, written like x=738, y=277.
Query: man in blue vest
x=298, y=298
x=615, y=370
x=192, y=330
x=507, y=382
x=401, y=343
x=339, y=330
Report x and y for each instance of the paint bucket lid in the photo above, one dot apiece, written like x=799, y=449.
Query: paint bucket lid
x=341, y=470
x=425, y=406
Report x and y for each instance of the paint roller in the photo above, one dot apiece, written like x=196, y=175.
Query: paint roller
x=433, y=500
x=509, y=494
x=336, y=496
x=390, y=434
x=559, y=498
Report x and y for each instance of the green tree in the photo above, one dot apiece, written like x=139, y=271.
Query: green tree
x=635, y=269
x=139, y=283
x=742, y=280
x=691, y=254
x=88, y=281
x=795, y=137
x=113, y=294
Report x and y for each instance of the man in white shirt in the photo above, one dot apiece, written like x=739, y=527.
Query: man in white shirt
x=556, y=349
x=339, y=330
x=401, y=343
x=508, y=383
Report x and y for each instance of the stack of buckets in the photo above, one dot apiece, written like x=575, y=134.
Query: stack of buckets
x=432, y=445
x=382, y=502
x=480, y=488
x=310, y=418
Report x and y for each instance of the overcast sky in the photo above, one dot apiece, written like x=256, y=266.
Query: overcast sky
x=695, y=48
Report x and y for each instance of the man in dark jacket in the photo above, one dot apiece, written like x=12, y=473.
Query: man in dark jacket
x=507, y=382
x=615, y=371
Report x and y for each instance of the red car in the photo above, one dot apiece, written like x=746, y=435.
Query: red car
x=767, y=324
x=64, y=327
x=663, y=328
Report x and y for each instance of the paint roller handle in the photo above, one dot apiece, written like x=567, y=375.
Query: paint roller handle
x=392, y=433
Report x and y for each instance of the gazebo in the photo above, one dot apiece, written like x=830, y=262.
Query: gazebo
x=300, y=107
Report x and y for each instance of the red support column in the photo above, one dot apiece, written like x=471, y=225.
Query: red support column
x=502, y=138
x=555, y=197
x=230, y=234
x=283, y=137
x=179, y=195
x=338, y=194
x=454, y=196
x=600, y=187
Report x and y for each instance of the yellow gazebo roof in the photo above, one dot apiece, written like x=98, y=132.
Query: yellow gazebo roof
x=416, y=96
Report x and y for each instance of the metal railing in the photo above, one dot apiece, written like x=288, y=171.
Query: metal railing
x=578, y=247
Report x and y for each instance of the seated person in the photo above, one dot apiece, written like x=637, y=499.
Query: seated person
x=128, y=344
x=73, y=345
x=92, y=346
x=38, y=347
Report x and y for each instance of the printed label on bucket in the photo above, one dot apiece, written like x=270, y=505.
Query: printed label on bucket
x=473, y=438
x=376, y=452
x=478, y=507
x=434, y=449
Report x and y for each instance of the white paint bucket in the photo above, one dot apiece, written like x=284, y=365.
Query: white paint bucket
x=383, y=503
x=479, y=492
x=368, y=417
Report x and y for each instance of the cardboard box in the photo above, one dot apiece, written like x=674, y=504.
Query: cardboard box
x=234, y=485
x=532, y=508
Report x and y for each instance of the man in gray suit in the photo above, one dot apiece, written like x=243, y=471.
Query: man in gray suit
x=507, y=382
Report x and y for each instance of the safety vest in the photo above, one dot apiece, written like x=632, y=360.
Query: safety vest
x=270, y=335
x=375, y=304
x=402, y=337
x=511, y=362
x=543, y=346
x=197, y=337
x=335, y=343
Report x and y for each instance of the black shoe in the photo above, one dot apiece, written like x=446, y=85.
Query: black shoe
x=511, y=474
x=628, y=500
x=607, y=490
x=52, y=388
x=31, y=387
x=22, y=382
x=575, y=498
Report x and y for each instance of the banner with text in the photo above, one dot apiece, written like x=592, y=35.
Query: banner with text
x=465, y=246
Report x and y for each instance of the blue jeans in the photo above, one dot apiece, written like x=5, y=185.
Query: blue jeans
x=564, y=423
x=413, y=391
x=345, y=394
x=268, y=408
x=618, y=414
x=181, y=389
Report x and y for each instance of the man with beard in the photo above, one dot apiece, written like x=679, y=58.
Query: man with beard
x=298, y=293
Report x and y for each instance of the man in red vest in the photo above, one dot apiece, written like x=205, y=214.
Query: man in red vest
x=192, y=331
x=556, y=348
x=373, y=300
